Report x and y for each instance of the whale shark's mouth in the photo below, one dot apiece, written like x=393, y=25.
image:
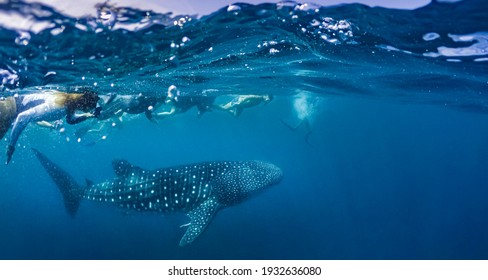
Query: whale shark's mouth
x=277, y=174
x=274, y=174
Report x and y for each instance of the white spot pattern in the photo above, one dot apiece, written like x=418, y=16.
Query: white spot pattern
x=181, y=189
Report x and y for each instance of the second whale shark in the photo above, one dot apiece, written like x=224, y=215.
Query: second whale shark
x=199, y=190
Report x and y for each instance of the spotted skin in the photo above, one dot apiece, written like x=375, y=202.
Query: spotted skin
x=199, y=190
x=172, y=189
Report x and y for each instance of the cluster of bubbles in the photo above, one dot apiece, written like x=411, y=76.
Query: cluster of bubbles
x=326, y=28
x=8, y=77
x=304, y=105
x=307, y=20
x=184, y=40
x=331, y=30
x=181, y=21
x=110, y=17
x=272, y=46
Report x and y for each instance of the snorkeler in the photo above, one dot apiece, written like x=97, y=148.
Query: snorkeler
x=305, y=123
x=50, y=106
x=239, y=103
x=304, y=107
x=114, y=105
x=180, y=103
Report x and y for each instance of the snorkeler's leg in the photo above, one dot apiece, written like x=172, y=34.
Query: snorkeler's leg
x=236, y=111
x=19, y=125
x=290, y=126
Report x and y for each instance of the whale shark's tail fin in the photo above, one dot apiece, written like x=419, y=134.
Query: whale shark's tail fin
x=71, y=191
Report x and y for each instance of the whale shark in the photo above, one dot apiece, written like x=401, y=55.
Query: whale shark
x=199, y=190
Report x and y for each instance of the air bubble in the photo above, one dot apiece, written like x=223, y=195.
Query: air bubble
x=430, y=36
x=23, y=38
x=233, y=8
x=342, y=24
x=181, y=22
x=273, y=51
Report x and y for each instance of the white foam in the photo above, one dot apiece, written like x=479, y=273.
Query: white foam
x=302, y=105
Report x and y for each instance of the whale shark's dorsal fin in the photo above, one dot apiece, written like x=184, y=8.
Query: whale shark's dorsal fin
x=200, y=217
x=89, y=183
x=122, y=167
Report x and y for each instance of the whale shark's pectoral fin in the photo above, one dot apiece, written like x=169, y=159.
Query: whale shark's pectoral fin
x=200, y=217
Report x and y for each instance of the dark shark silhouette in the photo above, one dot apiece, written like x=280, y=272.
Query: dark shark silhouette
x=199, y=189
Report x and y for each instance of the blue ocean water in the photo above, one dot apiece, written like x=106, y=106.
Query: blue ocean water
x=388, y=160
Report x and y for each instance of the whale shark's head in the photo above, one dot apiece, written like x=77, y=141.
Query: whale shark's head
x=265, y=174
x=246, y=179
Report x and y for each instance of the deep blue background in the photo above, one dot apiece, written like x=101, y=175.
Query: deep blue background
x=381, y=180
x=395, y=167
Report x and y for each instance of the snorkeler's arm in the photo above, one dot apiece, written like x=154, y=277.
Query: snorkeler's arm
x=74, y=118
x=45, y=124
x=57, y=124
x=163, y=114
